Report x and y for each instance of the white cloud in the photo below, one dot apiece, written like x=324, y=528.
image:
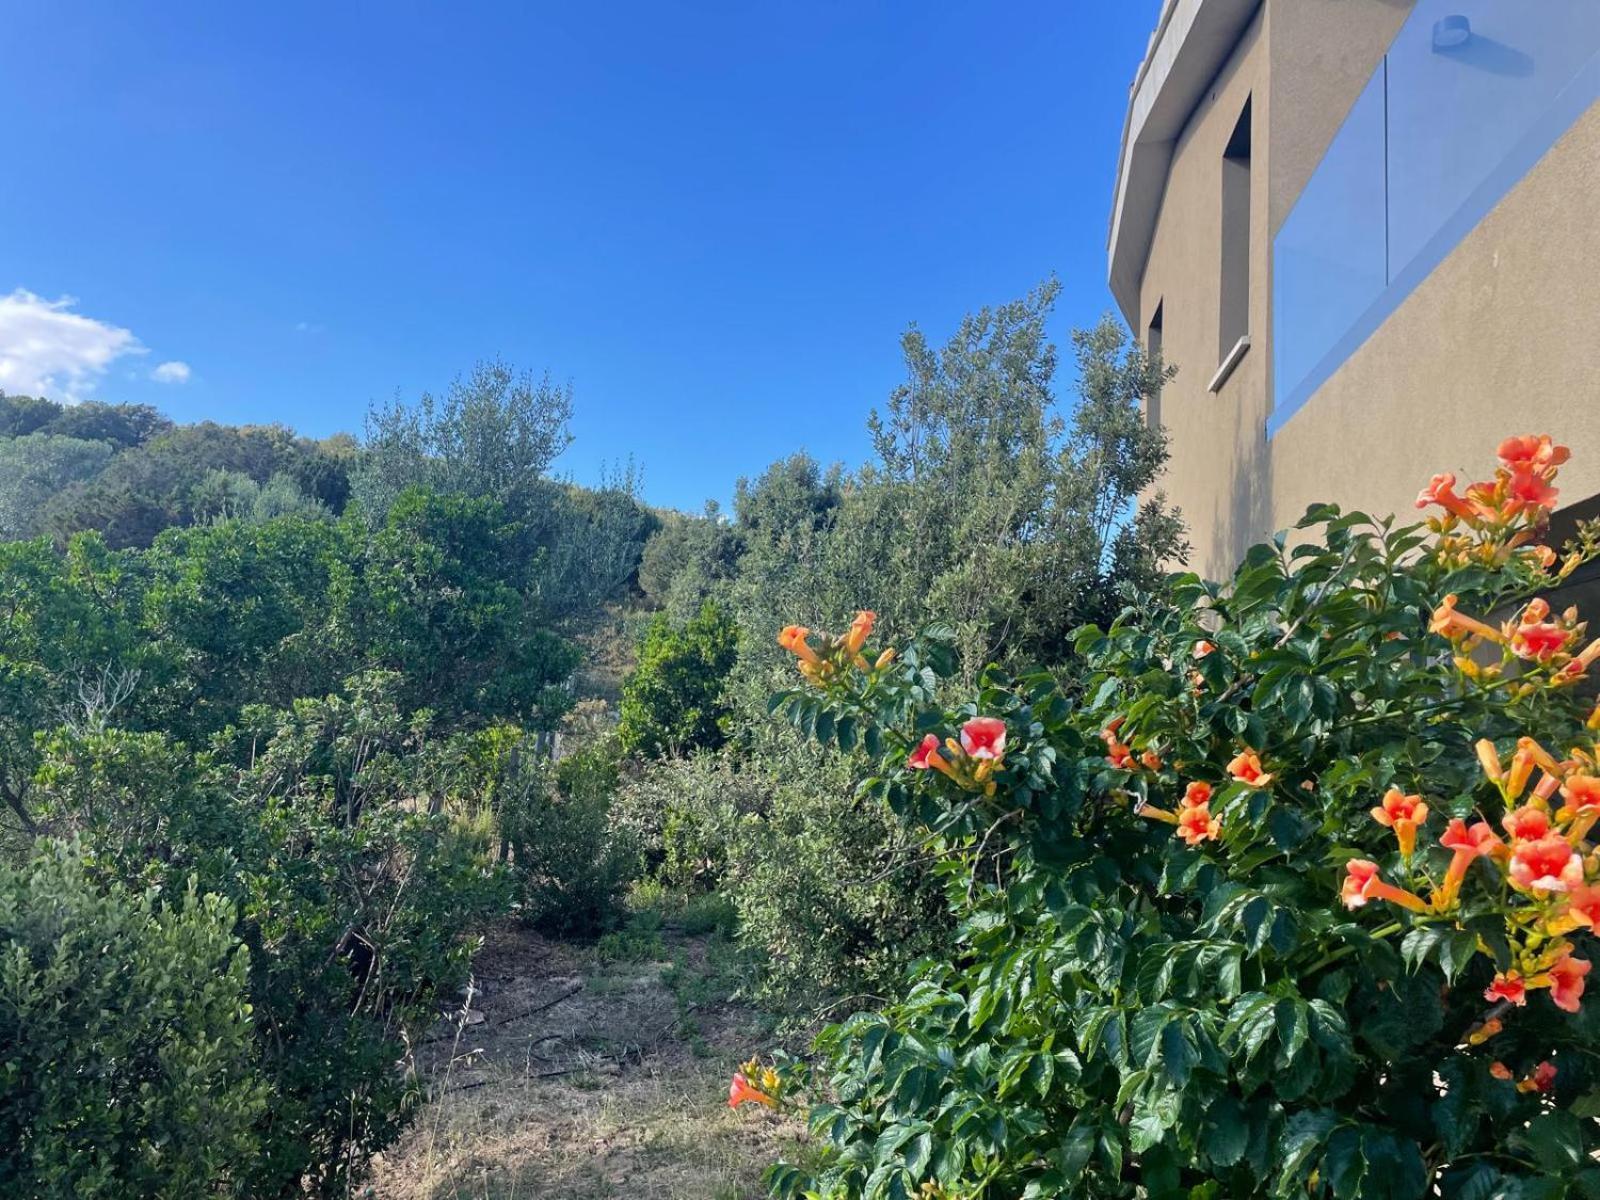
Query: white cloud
x=46, y=349
x=171, y=372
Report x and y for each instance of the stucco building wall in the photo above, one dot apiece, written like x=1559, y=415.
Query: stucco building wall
x=1501, y=338
x=1498, y=339
x=1216, y=437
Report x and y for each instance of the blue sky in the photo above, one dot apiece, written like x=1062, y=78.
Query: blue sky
x=714, y=219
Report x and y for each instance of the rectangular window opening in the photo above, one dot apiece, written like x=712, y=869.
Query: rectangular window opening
x=1235, y=298
x=1152, y=347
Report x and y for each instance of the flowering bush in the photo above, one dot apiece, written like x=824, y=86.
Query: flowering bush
x=1288, y=892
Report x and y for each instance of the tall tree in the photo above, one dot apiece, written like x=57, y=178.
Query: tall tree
x=35, y=467
x=1017, y=523
x=493, y=435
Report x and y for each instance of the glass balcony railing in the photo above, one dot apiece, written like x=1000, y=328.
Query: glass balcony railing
x=1468, y=98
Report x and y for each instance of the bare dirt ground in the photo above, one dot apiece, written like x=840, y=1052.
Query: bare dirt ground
x=578, y=1079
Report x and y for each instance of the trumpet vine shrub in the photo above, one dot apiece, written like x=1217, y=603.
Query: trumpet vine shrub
x=1288, y=891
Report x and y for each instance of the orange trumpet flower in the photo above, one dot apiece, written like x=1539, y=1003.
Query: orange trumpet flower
x=740, y=1092
x=1456, y=625
x=1567, y=980
x=860, y=630
x=1510, y=987
x=1546, y=864
x=1196, y=824
x=1246, y=768
x=1526, y=823
x=1543, y=1079
x=984, y=737
x=927, y=756
x=1362, y=883
x=1532, y=452
x=1466, y=843
x=1441, y=491
x=1581, y=794
x=1404, y=814
x=793, y=639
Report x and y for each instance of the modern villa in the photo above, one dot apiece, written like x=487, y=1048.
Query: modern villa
x=1367, y=233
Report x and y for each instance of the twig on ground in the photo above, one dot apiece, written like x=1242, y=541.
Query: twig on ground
x=538, y=1008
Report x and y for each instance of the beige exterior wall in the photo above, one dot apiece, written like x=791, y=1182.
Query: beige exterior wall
x=1499, y=339
x=1216, y=439
x=1323, y=52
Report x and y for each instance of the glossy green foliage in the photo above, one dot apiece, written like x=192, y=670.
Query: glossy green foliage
x=1125, y=1015
x=674, y=703
x=127, y=1067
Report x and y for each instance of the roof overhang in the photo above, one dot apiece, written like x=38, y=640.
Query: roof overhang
x=1192, y=41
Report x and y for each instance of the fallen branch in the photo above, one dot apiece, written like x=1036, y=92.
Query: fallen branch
x=537, y=1008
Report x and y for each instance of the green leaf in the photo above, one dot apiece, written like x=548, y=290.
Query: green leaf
x=1177, y=1053
x=1586, y=1106
x=1227, y=1132
x=1304, y=1136
x=1343, y=1165
x=1077, y=1146
x=1556, y=1141
x=845, y=732
x=823, y=726
x=1251, y=1022
x=917, y=1152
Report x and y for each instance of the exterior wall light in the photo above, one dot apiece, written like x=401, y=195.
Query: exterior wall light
x=1450, y=32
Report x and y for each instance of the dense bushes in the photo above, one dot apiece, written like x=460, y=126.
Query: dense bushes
x=673, y=702
x=833, y=898
x=987, y=505
x=359, y=896
x=572, y=861
x=341, y=718
x=126, y=1061
x=300, y=714
x=1158, y=991
x=325, y=831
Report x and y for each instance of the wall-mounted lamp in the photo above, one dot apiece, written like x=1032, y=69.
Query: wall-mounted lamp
x=1450, y=32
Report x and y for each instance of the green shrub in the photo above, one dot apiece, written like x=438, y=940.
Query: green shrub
x=673, y=702
x=832, y=897
x=639, y=940
x=1264, y=912
x=126, y=1062
x=361, y=906
x=357, y=903
x=684, y=815
x=573, y=864
x=706, y=914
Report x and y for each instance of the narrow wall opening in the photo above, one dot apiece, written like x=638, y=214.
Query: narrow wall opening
x=1152, y=347
x=1235, y=298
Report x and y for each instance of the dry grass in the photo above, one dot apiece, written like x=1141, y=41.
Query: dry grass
x=585, y=1081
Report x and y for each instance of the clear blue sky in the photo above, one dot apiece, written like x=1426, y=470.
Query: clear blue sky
x=714, y=219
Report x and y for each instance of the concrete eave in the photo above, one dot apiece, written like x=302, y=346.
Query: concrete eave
x=1192, y=41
